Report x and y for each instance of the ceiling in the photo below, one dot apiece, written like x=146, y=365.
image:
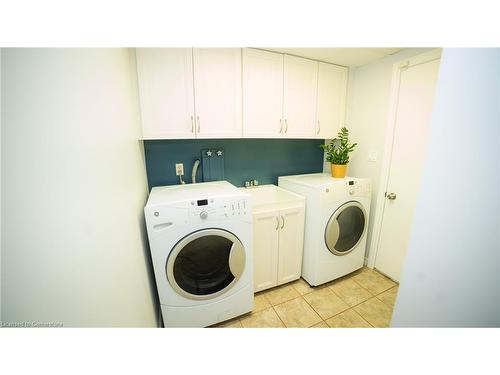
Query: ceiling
x=340, y=56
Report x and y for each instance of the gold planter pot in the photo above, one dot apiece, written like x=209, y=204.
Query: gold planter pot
x=339, y=170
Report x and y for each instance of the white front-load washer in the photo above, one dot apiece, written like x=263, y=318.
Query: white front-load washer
x=337, y=211
x=200, y=237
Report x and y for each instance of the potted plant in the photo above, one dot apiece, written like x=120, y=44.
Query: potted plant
x=337, y=153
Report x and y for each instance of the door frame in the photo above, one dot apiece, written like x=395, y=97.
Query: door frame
x=398, y=67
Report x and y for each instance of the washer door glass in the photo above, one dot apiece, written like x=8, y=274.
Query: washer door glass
x=205, y=264
x=345, y=228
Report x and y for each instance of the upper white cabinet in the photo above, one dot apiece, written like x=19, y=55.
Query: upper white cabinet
x=262, y=94
x=165, y=77
x=300, y=89
x=217, y=87
x=234, y=93
x=332, y=86
x=186, y=93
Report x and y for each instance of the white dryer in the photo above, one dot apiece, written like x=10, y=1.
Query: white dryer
x=200, y=237
x=336, y=222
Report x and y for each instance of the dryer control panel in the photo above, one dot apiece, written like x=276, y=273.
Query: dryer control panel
x=357, y=187
x=350, y=188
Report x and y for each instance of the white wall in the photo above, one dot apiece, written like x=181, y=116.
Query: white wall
x=451, y=275
x=74, y=186
x=369, y=90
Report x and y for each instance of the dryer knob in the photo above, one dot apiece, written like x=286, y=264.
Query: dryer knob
x=351, y=192
x=203, y=214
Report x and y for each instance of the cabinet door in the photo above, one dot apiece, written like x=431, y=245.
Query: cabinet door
x=217, y=86
x=262, y=94
x=291, y=244
x=265, y=250
x=300, y=90
x=165, y=77
x=332, y=85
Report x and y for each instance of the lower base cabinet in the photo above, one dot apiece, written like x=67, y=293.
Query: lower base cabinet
x=278, y=245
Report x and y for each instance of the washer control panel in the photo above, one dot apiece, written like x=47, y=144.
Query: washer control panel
x=218, y=208
x=203, y=209
x=235, y=208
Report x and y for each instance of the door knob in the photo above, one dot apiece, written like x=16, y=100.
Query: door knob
x=391, y=196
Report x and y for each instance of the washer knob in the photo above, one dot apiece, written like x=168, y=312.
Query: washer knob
x=203, y=214
x=351, y=192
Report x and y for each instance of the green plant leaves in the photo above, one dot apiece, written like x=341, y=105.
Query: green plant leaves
x=337, y=151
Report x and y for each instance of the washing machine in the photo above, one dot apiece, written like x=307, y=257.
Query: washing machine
x=200, y=236
x=337, y=211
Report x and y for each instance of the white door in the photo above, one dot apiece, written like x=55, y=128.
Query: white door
x=217, y=86
x=265, y=250
x=300, y=91
x=291, y=244
x=332, y=86
x=262, y=94
x=412, y=114
x=165, y=77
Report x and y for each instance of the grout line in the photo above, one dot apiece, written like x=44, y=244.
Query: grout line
x=392, y=287
x=361, y=316
x=362, y=287
x=288, y=300
x=374, y=297
x=279, y=317
x=317, y=313
x=348, y=307
x=386, y=304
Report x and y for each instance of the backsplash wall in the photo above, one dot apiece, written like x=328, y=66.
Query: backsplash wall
x=244, y=159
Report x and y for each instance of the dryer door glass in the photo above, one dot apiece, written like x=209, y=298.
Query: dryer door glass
x=205, y=264
x=345, y=228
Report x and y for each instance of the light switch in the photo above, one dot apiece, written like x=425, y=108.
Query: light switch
x=372, y=155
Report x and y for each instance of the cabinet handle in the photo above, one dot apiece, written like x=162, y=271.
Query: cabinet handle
x=281, y=125
x=286, y=125
x=199, y=125
x=283, y=222
x=192, y=124
x=319, y=127
x=277, y=222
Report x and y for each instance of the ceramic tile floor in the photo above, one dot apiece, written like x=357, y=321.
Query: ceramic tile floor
x=362, y=299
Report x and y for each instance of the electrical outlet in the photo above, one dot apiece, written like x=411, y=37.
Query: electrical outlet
x=179, y=169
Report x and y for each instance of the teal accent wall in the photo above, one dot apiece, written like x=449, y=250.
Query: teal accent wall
x=244, y=159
